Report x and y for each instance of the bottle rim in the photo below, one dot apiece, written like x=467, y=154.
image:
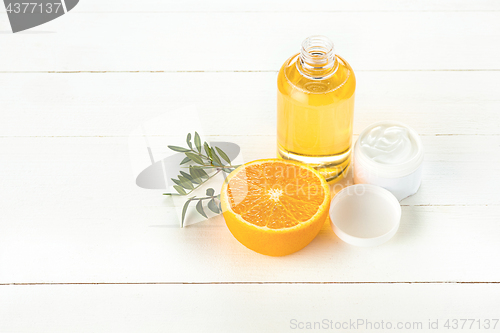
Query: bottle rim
x=318, y=51
x=317, y=58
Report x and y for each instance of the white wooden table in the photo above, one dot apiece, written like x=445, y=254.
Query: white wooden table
x=83, y=249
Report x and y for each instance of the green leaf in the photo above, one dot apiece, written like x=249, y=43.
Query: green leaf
x=186, y=183
x=195, y=158
x=188, y=140
x=213, y=206
x=223, y=155
x=180, y=190
x=197, y=141
x=184, y=209
x=203, y=174
x=185, y=160
x=178, y=182
x=179, y=149
x=210, y=192
x=199, y=208
x=187, y=175
x=216, y=158
x=196, y=175
x=208, y=150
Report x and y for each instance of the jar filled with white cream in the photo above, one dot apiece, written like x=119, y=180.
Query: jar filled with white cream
x=389, y=154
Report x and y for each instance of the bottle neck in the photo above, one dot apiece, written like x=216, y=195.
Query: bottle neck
x=317, y=58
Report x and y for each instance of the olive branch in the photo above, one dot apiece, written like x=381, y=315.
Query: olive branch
x=206, y=162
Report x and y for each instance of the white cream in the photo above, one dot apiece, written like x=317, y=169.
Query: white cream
x=389, y=154
x=388, y=144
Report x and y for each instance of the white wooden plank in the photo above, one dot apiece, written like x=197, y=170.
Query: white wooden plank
x=112, y=104
x=433, y=244
x=252, y=41
x=288, y=6
x=455, y=170
x=245, y=308
x=72, y=213
x=279, y=6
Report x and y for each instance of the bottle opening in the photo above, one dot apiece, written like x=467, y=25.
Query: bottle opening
x=317, y=51
x=317, y=58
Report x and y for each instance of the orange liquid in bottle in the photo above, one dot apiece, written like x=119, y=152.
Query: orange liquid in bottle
x=316, y=109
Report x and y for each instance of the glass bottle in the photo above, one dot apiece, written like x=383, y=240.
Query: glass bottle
x=316, y=108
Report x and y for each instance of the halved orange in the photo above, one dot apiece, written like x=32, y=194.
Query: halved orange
x=273, y=206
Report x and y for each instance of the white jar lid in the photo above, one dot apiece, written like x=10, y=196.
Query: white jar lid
x=365, y=215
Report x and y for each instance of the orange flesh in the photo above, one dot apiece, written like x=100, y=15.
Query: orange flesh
x=275, y=195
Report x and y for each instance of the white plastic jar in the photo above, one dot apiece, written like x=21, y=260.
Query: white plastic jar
x=389, y=154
